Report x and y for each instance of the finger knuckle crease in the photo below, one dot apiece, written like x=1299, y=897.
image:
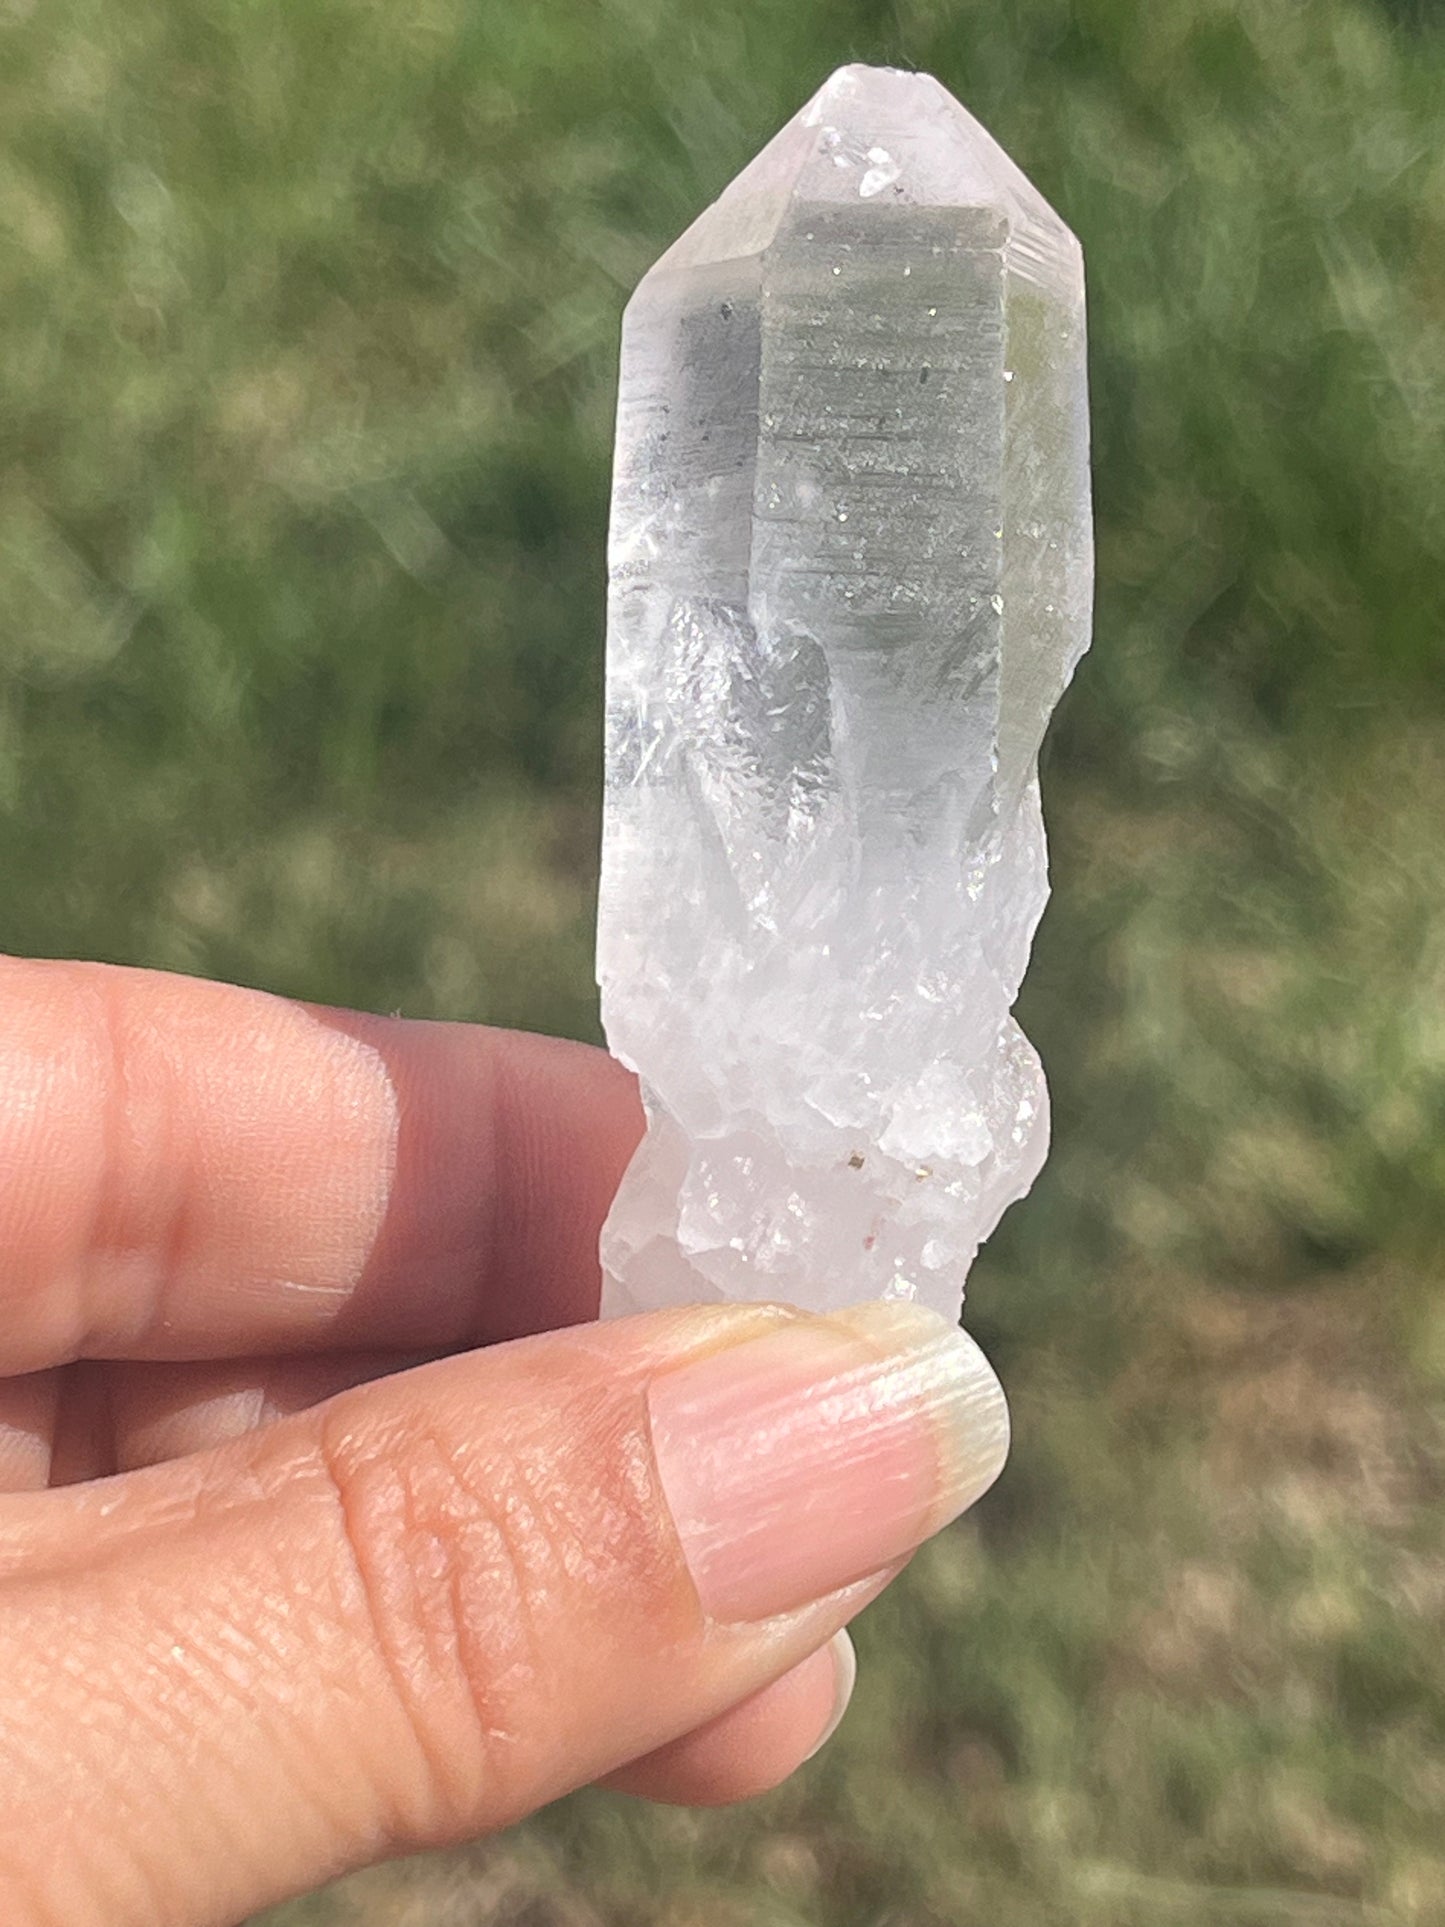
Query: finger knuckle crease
x=136, y=1107
x=449, y=1560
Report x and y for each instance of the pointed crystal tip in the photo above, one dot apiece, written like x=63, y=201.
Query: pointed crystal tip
x=868, y=134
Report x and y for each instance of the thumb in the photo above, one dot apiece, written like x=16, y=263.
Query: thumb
x=420, y=1610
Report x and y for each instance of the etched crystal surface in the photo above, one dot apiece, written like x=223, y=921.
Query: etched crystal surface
x=851, y=573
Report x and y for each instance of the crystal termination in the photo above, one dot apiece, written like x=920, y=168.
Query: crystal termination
x=851, y=574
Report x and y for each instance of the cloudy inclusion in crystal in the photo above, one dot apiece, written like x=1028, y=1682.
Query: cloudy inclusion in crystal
x=851, y=573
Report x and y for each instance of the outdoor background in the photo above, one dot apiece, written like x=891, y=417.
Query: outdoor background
x=308, y=318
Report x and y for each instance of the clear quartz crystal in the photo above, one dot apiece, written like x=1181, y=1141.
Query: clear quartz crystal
x=851, y=573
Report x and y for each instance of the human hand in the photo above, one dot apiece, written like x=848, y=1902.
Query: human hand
x=338, y=1604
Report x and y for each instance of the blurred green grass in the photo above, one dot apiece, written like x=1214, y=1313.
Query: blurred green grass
x=309, y=319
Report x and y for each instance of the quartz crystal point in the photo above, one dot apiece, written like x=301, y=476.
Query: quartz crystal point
x=850, y=573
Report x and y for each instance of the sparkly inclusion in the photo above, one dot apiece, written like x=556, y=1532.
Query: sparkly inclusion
x=850, y=577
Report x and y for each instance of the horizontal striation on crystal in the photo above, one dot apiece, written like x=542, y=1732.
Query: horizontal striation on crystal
x=851, y=574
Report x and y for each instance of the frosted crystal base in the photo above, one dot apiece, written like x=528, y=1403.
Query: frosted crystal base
x=851, y=574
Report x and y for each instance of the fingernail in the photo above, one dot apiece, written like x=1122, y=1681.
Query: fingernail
x=800, y=1460
x=845, y=1677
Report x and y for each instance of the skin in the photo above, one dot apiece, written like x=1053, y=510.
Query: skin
x=292, y=1574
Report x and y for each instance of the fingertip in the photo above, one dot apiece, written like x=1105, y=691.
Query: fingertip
x=754, y=1746
x=845, y=1677
x=568, y=1118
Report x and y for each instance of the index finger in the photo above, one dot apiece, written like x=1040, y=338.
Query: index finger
x=190, y=1169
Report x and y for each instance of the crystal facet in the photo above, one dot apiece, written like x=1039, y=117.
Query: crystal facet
x=851, y=573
